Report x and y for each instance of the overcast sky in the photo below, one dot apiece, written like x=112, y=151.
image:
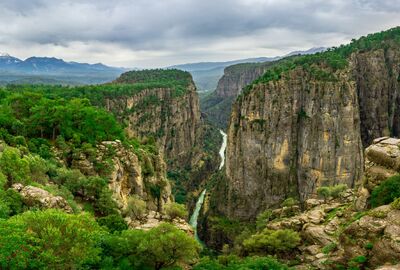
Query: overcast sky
x=157, y=33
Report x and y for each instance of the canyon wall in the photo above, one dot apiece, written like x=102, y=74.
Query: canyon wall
x=289, y=136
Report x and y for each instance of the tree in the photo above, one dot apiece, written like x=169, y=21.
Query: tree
x=49, y=239
x=161, y=247
x=272, y=241
x=13, y=166
x=175, y=210
x=114, y=223
x=136, y=208
x=166, y=246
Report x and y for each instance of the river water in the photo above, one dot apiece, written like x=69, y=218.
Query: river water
x=200, y=200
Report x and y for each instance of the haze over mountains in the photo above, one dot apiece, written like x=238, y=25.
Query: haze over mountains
x=51, y=70
x=207, y=74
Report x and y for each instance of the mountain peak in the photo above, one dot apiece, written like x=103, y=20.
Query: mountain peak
x=4, y=55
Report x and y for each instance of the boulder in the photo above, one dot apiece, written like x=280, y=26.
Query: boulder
x=34, y=196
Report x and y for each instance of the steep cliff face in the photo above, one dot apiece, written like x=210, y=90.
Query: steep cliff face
x=217, y=106
x=377, y=76
x=173, y=120
x=305, y=123
x=288, y=137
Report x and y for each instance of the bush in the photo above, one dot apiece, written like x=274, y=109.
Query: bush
x=289, y=202
x=159, y=248
x=386, y=192
x=175, y=210
x=396, y=204
x=136, y=208
x=331, y=191
x=114, y=223
x=235, y=263
x=272, y=241
x=263, y=218
x=49, y=239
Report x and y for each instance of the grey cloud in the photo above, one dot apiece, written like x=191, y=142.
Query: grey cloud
x=191, y=26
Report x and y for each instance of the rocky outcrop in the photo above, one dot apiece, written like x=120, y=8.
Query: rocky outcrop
x=173, y=120
x=287, y=138
x=130, y=172
x=38, y=197
x=308, y=128
x=154, y=219
x=382, y=160
x=335, y=234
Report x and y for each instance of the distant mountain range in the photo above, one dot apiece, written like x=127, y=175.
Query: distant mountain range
x=207, y=74
x=54, y=71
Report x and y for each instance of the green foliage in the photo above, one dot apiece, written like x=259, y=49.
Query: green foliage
x=235, y=263
x=136, y=208
x=272, y=241
x=331, y=191
x=14, y=166
x=175, y=210
x=289, y=202
x=114, y=223
x=161, y=247
x=329, y=248
x=396, y=204
x=386, y=192
x=50, y=239
x=263, y=218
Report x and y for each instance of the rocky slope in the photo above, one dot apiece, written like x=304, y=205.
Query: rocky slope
x=130, y=172
x=305, y=123
x=172, y=117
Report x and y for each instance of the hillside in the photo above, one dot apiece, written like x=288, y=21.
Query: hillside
x=50, y=70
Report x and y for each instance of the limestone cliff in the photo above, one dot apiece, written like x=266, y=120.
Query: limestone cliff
x=288, y=137
x=306, y=121
x=170, y=115
x=217, y=106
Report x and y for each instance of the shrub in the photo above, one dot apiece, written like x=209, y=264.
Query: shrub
x=114, y=223
x=289, y=202
x=175, y=210
x=396, y=204
x=236, y=263
x=331, y=191
x=272, y=241
x=329, y=248
x=386, y=192
x=136, y=208
x=49, y=239
x=263, y=218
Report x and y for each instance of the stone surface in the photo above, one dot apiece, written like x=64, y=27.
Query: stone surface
x=173, y=121
x=34, y=196
x=291, y=136
x=382, y=160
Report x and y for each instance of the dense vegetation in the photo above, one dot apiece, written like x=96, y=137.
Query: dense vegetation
x=386, y=192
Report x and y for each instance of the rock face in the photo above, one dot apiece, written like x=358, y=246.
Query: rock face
x=382, y=160
x=217, y=106
x=41, y=198
x=127, y=174
x=289, y=136
x=173, y=120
